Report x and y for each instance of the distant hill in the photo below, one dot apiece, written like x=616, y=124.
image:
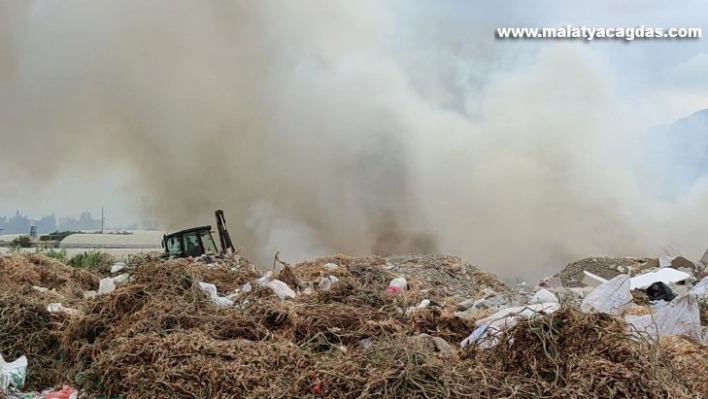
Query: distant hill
x=676, y=155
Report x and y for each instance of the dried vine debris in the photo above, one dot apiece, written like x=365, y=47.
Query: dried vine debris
x=161, y=336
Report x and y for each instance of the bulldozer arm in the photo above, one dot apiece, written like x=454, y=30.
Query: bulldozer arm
x=224, y=237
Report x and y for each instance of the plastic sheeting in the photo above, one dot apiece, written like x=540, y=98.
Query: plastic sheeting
x=210, y=289
x=612, y=297
x=489, y=328
x=680, y=317
x=13, y=374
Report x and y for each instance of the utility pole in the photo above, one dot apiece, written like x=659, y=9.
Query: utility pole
x=103, y=220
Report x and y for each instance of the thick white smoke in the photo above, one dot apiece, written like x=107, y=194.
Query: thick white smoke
x=333, y=126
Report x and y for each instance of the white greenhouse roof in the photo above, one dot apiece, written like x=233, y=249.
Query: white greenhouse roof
x=139, y=239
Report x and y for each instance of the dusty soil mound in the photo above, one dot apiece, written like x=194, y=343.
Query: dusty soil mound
x=572, y=275
x=434, y=276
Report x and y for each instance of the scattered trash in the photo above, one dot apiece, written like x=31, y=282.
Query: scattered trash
x=118, y=266
x=157, y=313
x=263, y=281
x=106, y=286
x=476, y=336
x=666, y=275
x=660, y=291
x=325, y=283
x=210, y=289
x=399, y=282
x=393, y=290
x=612, y=297
x=109, y=284
x=13, y=374
x=487, y=337
x=281, y=289
x=680, y=317
x=66, y=392
x=120, y=279
x=422, y=305
x=543, y=296
x=58, y=308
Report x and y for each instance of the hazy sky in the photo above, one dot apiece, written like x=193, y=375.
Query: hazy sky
x=320, y=124
x=668, y=76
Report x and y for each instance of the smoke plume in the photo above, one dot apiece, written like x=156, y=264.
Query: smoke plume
x=335, y=127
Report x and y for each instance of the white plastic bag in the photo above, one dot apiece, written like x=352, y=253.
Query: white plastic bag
x=281, y=289
x=263, y=281
x=222, y=301
x=118, y=266
x=331, y=266
x=59, y=308
x=476, y=335
x=493, y=325
x=325, y=284
x=210, y=289
x=680, y=317
x=120, y=279
x=399, y=282
x=246, y=288
x=422, y=305
x=543, y=296
x=106, y=285
x=13, y=374
x=612, y=297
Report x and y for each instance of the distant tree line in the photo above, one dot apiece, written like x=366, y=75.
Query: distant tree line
x=20, y=224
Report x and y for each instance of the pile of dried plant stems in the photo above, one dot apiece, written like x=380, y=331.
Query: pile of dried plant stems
x=161, y=336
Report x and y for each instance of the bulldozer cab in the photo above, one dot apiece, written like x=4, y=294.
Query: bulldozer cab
x=198, y=241
x=193, y=242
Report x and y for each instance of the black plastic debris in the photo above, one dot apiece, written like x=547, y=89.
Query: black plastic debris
x=660, y=292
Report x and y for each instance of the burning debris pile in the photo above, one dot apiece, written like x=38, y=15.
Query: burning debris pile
x=403, y=326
